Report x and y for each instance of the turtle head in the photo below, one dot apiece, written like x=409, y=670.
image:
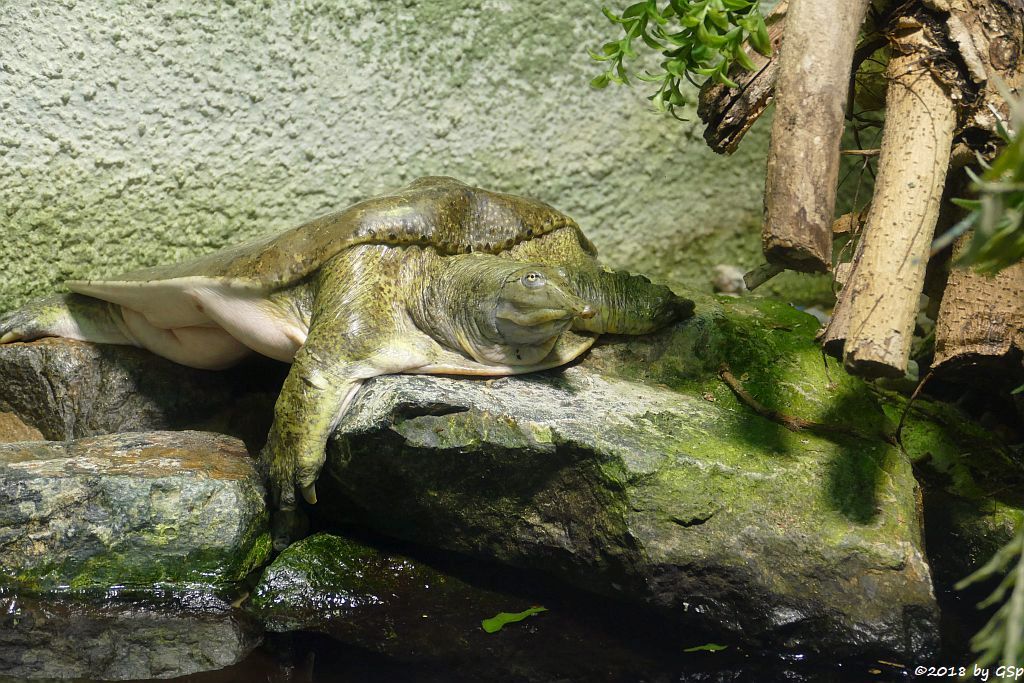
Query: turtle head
x=495, y=310
x=535, y=304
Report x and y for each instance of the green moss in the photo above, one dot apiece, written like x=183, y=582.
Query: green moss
x=148, y=569
x=324, y=575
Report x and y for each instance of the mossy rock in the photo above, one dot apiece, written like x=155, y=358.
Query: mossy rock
x=638, y=474
x=143, y=512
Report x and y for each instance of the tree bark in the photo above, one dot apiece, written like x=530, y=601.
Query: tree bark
x=803, y=159
x=987, y=35
x=981, y=318
x=885, y=288
x=833, y=337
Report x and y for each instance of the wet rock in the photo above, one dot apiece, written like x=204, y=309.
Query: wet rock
x=65, y=639
x=167, y=510
x=639, y=474
x=635, y=473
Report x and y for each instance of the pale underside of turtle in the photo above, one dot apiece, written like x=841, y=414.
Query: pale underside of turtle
x=439, y=277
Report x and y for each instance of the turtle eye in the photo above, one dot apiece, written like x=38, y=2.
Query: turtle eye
x=533, y=280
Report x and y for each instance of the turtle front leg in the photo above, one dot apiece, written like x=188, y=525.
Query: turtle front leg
x=313, y=398
x=354, y=334
x=624, y=303
x=318, y=391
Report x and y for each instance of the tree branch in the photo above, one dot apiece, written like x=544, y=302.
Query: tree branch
x=886, y=285
x=730, y=112
x=810, y=104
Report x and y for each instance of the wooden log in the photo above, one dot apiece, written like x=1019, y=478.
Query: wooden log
x=885, y=288
x=986, y=35
x=981, y=318
x=810, y=105
x=833, y=337
x=730, y=112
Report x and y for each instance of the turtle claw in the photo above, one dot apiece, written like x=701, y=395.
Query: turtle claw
x=13, y=327
x=309, y=493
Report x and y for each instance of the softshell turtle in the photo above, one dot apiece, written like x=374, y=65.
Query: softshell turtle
x=439, y=277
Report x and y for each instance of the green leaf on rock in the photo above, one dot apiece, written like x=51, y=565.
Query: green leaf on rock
x=499, y=620
x=707, y=647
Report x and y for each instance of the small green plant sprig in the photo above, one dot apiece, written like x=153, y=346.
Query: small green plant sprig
x=699, y=39
x=1002, y=638
x=997, y=215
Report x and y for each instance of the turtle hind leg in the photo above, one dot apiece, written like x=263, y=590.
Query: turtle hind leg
x=85, y=318
x=72, y=316
x=205, y=348
x=626, y=304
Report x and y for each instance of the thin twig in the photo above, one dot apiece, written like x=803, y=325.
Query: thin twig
x=762, y=274
x=910, y=402
x=790, y=422
x=861, y=152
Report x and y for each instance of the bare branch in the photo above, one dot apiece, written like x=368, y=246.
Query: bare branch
x=803, y=159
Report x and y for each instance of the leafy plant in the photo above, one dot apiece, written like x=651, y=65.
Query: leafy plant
x=997, y=215
x=698, y=38
x=1002, y=638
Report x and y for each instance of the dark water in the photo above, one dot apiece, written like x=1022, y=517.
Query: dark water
x=143, y=640
x=580, y=637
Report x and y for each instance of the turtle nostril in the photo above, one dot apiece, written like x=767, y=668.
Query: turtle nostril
x=587, y=312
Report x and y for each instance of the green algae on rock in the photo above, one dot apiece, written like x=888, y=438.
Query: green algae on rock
x=972, y=485
x=145, y=511
x=636, y=473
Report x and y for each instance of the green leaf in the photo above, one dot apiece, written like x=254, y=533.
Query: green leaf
x=499, y=620
x=612, y=17
x=970, y=204
x=759, y=38
x=600, y=81
x=635, y=10
x=743, y=59
x=708, y=35
x=724, y=80
x=718, y=19
x=690, y=21
x=707, y=647
x=947, y=238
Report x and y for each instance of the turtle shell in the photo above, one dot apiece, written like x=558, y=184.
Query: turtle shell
x=440, y=212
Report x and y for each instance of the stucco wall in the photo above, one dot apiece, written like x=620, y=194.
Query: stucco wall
x=142, y=132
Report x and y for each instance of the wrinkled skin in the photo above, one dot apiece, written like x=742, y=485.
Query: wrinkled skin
x=368, y=310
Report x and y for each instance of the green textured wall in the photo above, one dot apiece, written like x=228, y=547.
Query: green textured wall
x=143, y=132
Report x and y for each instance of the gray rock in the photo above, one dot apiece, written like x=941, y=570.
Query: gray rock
x=153, y=510
x=62, y=639
x=66, y=389
x=677, y=497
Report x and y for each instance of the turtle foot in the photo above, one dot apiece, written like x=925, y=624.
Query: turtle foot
x=287, y=526
x=21, y=325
